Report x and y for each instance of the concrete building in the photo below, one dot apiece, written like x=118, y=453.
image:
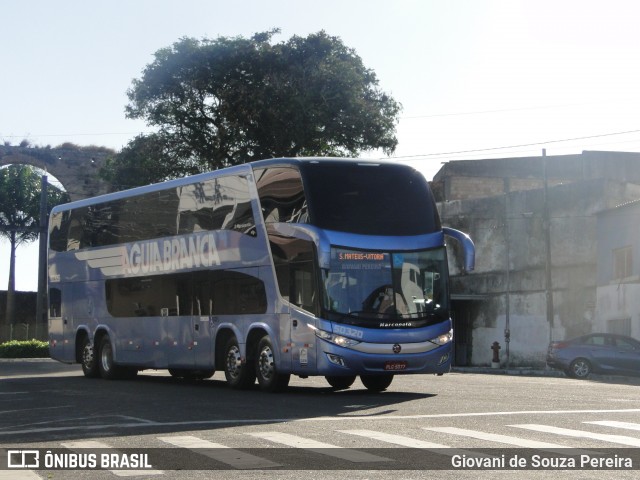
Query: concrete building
x=503, y=205
x=618, y=272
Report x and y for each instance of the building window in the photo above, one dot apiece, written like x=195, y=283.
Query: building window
x=619, y=326
x=622, y=263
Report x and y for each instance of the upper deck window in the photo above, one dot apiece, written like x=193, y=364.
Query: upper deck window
x=217, y=204
x=281, y=195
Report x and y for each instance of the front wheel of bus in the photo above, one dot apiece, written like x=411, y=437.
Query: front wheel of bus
x=239, y=374
x=187, y=374
x=268, y=377
x=88, y=358
x=341, y=383
x=376, y=383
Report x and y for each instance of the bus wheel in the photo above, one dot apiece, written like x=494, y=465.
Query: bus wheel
x=88, y=359
x=268, y=377
x=108, y=370
x=200, y=374
x=341, y=383
x=376, y=383
x=239, y=375
x=191, y=374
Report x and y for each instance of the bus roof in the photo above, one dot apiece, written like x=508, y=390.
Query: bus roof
x=243, y=169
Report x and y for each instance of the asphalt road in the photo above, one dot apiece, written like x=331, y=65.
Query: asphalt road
x=416, y=429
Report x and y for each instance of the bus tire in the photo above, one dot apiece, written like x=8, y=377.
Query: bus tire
x=268, y=377
x=108, y=369
x=376, y=383
x=239, y=375
x=188, y=374
x=88, y=359
x=340, y=383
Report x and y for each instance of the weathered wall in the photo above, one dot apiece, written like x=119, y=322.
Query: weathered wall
x=466, y=179
x=508, y=231
x=618, y=309
x=618, y=299
x=75, y=167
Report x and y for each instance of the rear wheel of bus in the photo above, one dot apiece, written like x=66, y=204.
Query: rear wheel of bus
x=88, y=359
x=108, y=369
x=376, y=383
x=268, y=377
x=239, y=374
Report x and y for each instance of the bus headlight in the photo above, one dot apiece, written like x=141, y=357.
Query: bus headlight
x=336, y=339
x=443, y=339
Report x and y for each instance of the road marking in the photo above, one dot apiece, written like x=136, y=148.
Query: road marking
x=221, y=453
x=294, y=441
x=19, y=475
x=619, y=439
x=495, y=437
x=138, y=422
x=459, y=415
x=394, y=439
x=245, y=421
x=34, y=408
x=92, y=444
x=624, y=425
x=412, y=443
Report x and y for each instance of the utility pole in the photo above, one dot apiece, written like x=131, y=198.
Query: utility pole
x=507, y=327
x=42, y=258
x=547, y=244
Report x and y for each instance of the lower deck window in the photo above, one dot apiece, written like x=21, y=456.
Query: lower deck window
x=196, y=293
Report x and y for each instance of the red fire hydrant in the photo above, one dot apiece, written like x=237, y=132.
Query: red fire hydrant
x=495, y=362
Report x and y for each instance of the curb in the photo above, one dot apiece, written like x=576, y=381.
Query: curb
x=34, y=360
x=524, y=371
x=532, y=372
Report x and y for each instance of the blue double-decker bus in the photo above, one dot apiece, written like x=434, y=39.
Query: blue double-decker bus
x=295, y=266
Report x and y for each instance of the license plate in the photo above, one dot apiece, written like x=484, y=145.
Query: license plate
x=395, y=366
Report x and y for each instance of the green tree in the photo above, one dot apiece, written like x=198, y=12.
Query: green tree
x=20, y=187
x=227, y=101
x=145, y=159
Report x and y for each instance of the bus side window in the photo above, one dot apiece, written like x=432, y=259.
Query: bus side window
x=217, y=292
x=221, y=203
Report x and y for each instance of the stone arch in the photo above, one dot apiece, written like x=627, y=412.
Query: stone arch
x=76, y=168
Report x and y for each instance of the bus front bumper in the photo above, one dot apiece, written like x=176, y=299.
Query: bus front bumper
x=377, y=359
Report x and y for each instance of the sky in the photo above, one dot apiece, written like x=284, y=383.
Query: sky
x=476, y=78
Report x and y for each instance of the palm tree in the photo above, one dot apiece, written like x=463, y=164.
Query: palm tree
x=20, y=187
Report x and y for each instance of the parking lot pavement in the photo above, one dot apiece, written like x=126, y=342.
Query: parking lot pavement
x=14, y=367
x=11, y=367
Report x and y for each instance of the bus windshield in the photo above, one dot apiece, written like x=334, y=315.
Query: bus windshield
x=390, y=289
x=369, y=199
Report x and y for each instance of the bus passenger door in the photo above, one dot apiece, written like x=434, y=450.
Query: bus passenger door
x=202, y=340
x=61, y=324
x=303, y=342
x=296, y=272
